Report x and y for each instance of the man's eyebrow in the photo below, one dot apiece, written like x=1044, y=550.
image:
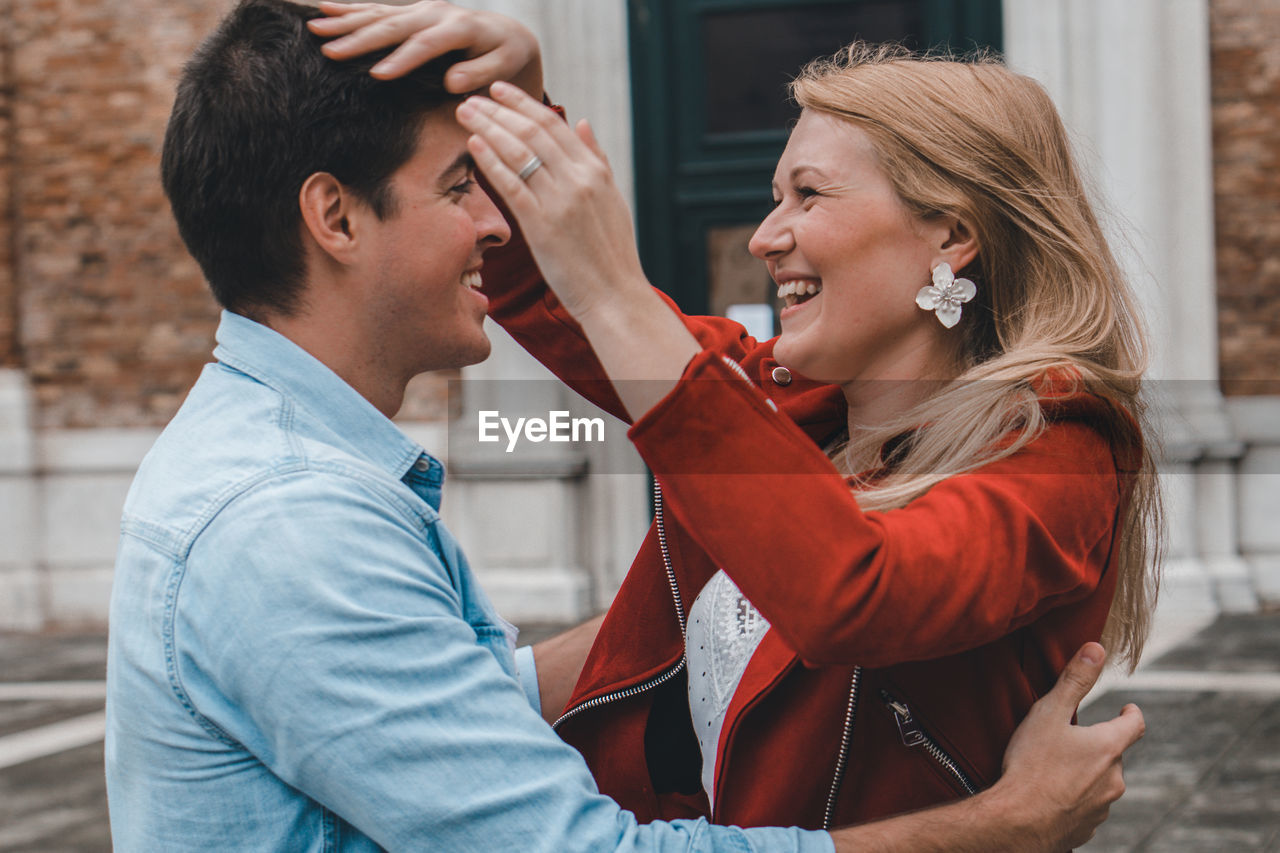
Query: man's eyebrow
x=462, y=163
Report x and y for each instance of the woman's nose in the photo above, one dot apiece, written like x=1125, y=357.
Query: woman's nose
x=771, y=238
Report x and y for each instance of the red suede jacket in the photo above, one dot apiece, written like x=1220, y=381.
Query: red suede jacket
x=905, y=646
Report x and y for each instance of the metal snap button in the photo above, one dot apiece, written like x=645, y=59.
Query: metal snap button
x=422, y=465
x=782, y=376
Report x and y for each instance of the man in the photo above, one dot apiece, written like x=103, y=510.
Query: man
x=300, y=657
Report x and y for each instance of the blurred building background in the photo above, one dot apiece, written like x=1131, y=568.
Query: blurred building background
x=105, y=321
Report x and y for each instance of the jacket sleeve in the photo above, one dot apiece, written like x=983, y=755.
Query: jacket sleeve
x=522, y=303
x=974, y=558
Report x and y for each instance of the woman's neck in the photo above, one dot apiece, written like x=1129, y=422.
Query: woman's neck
x=874, y=403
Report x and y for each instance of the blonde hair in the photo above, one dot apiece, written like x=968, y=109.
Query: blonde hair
x=973, y=140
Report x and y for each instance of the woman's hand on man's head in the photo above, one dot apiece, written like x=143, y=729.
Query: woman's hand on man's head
x=497, y=47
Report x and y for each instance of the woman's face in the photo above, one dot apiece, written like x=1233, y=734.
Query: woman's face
x=840, y=229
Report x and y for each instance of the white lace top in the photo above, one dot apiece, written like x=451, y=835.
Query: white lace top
x=723, y=632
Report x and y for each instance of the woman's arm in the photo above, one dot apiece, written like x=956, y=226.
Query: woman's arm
x=580, y=230
x=976, y=557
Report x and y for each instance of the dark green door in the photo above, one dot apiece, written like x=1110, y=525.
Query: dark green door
x=711, y=116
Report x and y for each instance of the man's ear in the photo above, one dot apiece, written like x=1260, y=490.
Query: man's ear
x=958, y=243
x=328, y=212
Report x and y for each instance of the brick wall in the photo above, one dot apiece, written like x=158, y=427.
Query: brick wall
x=1245, y=37
x=113, y=321
x=115, y=318
x=8, y=353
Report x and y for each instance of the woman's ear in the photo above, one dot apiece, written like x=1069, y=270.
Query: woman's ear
x=959, y=244
x=327, y=213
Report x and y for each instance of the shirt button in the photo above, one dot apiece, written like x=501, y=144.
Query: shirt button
x=782, y=376
x=422, y=465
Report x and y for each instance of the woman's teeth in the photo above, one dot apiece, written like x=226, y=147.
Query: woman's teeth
x=471, y=280
x=795, y=292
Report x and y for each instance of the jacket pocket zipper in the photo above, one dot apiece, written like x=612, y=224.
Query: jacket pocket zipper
x=913, y=735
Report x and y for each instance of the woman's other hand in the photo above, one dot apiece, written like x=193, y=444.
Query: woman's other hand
x=576, y=221
x=557, y=183
x=497, y=47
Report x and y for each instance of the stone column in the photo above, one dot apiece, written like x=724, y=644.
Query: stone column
x=1132, y=82
x=21, y=605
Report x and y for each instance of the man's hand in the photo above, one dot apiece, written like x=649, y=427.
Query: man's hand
x=1059, y=783
x=497, y=47
x=1070, y=774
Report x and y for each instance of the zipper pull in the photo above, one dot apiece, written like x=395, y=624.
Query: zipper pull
x=911, y=733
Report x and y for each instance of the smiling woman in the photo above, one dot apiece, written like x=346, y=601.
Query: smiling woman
x=840, y=232
x=952, y=407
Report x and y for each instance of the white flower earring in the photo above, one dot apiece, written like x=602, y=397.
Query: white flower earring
x=945, y=296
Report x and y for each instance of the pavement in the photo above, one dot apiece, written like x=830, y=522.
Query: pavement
x=1205, y=779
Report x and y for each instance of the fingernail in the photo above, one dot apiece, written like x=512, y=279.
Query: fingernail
x=381, y=68
x=502, y=87
x=466, y=109
x=1091, y=655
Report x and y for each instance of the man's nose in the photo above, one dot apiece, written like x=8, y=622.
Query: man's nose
x=491, y=228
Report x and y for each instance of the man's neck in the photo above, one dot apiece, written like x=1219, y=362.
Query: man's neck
x=339, y=346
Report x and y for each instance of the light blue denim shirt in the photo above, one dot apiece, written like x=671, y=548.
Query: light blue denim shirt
x=301, y=659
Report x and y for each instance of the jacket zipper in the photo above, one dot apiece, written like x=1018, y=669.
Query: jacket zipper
x=842, y=757
x=913, y=735
x=671, y=671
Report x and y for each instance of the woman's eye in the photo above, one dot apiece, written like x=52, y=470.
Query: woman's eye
x=464, y=187
x=806, y=192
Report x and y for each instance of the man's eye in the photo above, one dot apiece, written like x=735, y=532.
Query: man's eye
x=807, y=192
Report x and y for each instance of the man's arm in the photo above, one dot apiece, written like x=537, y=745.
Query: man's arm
x=559, y=662
x=347, y=656
x=1058, y=785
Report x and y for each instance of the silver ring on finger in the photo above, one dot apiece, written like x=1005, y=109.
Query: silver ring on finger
x=534, y=164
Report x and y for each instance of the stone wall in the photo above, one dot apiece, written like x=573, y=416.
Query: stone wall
x=1245, y=43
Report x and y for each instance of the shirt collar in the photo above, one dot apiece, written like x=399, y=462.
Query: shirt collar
x=279, y=363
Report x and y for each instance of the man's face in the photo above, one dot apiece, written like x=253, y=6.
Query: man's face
x=423, y=259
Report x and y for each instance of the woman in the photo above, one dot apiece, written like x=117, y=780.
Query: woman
x=895, y=522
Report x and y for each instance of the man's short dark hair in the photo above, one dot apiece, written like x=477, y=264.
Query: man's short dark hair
x=259, y=109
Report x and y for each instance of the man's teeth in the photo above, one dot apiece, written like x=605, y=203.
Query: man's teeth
x=798, y=288
x=471, y=279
